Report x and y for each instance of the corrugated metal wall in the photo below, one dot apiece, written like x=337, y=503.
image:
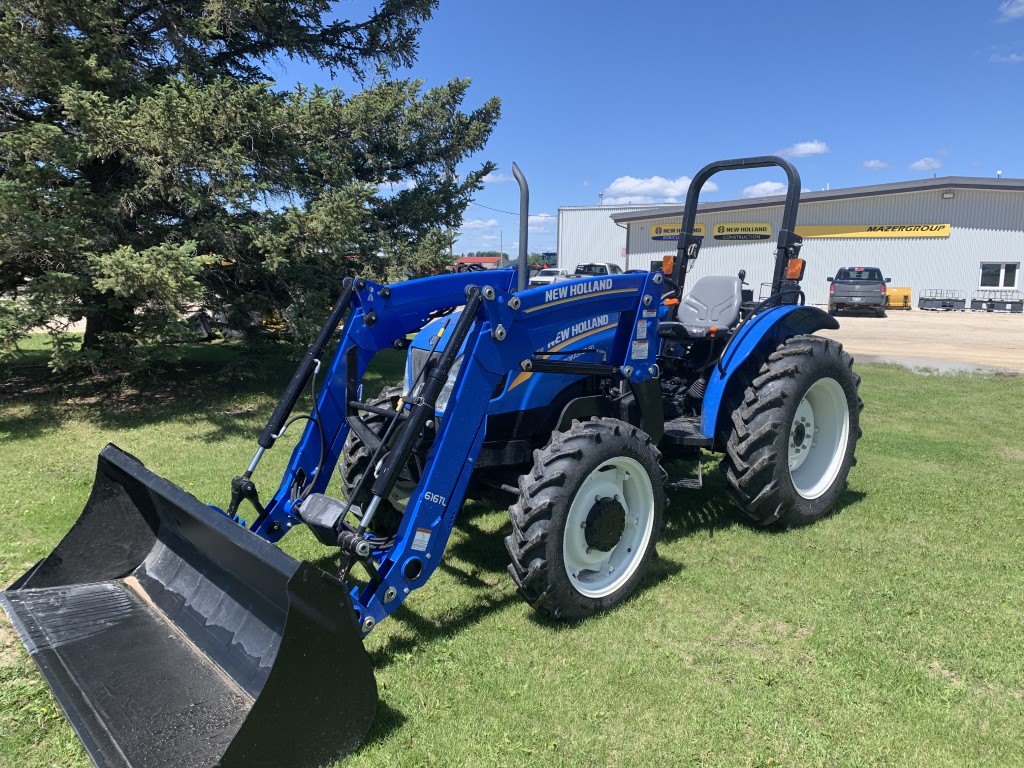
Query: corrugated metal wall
x=986, y=226
x=589, y=234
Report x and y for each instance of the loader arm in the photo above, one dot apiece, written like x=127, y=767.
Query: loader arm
x=507, y=333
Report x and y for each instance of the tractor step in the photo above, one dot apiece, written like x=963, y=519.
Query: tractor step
x=691, y=483
x=686, y=431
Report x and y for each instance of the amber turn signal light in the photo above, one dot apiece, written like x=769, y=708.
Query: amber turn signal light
x=795, y=269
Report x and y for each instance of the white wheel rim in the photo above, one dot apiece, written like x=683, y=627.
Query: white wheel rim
x=818, y=437
x=400, y=494
x=595, y=573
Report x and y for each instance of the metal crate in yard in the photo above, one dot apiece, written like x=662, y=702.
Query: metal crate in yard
x=942, y=300
x=997, y=301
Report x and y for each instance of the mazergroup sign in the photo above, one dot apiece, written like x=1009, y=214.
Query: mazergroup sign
x=875, y=230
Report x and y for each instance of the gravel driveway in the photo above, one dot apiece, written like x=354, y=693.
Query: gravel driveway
x=946, y=341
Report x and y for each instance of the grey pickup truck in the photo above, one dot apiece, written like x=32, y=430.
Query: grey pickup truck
x=858, y=288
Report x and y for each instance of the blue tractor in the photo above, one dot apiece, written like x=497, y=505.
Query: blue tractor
x=565, y=396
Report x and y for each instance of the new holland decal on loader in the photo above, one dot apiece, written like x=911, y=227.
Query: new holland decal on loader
x=173, y=634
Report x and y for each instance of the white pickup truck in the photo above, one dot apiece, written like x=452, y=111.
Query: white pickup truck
x=591, y=269
x=597, y=269
x=548, y=275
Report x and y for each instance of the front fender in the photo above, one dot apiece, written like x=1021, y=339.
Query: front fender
x=758, y=336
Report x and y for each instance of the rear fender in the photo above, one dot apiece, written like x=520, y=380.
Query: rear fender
x=755, y=341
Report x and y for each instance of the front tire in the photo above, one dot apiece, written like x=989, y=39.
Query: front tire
x=794, y=435
x=587, y=519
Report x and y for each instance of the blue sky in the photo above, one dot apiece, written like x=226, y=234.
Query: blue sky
x=628, y=100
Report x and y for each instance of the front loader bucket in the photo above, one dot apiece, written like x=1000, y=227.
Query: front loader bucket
x=172, y=636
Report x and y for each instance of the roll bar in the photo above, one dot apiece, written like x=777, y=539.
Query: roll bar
x=788, y=245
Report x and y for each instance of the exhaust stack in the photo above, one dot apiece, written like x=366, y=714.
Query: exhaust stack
x=524, y=226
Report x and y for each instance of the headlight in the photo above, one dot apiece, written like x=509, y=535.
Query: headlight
x=415, y=366
x=449, y=385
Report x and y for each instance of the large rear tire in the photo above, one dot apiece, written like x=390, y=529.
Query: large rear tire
x=794, y=434
x=588, y=515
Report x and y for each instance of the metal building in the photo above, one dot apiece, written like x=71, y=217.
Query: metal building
x=955, y=233
x=589, y=233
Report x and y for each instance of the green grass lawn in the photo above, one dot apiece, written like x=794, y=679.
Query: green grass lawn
x=887, y=635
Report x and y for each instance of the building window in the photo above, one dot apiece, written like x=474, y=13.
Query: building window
x=999, y=275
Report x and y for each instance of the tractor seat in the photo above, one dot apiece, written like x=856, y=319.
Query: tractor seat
x=714, y=302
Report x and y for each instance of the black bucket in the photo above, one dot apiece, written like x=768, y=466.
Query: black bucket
x=173, y=637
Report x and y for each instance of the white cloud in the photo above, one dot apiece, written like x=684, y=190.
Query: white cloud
x=496, y=178
x=875, y=165
x=637, y=200
x=804, y=149
x=627, y=190
x=1001, y=58
x=764, y=189
x=926, y=164
x=586, y=183
x=476, y=225
x=541, y=223
x=1011, y=9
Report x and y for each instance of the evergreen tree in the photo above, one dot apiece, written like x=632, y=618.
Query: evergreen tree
x=149, y=166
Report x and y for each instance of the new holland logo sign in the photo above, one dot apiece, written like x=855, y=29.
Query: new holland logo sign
x=671, y=231
x=745, y=231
